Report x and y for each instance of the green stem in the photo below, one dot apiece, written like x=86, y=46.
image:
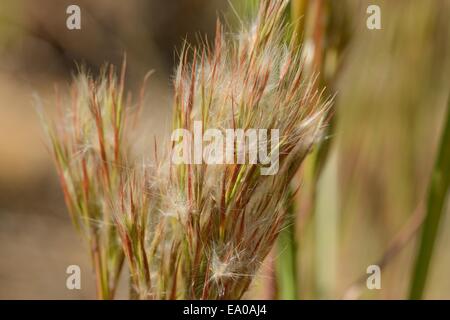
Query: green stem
x=437, y=192
x=326, y=220
x=286, y=262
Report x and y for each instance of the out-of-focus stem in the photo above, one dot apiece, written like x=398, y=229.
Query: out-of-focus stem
x=324, y=179
x=286, y=263
x=326, y=217
x=298, y=15
x=437, y=194
x=318, y=34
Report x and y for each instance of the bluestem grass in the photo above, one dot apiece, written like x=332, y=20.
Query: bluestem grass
x=200, y=231
x=224, y=219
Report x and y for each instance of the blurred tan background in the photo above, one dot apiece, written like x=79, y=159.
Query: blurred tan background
x=391, y=89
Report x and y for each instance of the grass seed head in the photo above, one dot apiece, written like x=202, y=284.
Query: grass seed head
x=192, y=231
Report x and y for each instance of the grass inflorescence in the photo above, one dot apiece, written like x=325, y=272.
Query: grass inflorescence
x=89, y=151
x=191, y=231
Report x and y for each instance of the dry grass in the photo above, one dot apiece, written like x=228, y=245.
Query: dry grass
x=89, y=152
x=191, y=231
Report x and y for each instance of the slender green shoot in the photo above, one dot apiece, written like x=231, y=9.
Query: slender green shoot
x=437, y=193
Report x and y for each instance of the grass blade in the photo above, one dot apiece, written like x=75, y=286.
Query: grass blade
x=438, y=189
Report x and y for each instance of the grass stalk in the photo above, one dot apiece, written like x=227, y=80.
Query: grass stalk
x=437, y=194
x=286, y=262
x=326, y=216
x=298, y=16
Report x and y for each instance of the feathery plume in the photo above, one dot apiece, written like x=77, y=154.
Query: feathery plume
x=89, y=152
